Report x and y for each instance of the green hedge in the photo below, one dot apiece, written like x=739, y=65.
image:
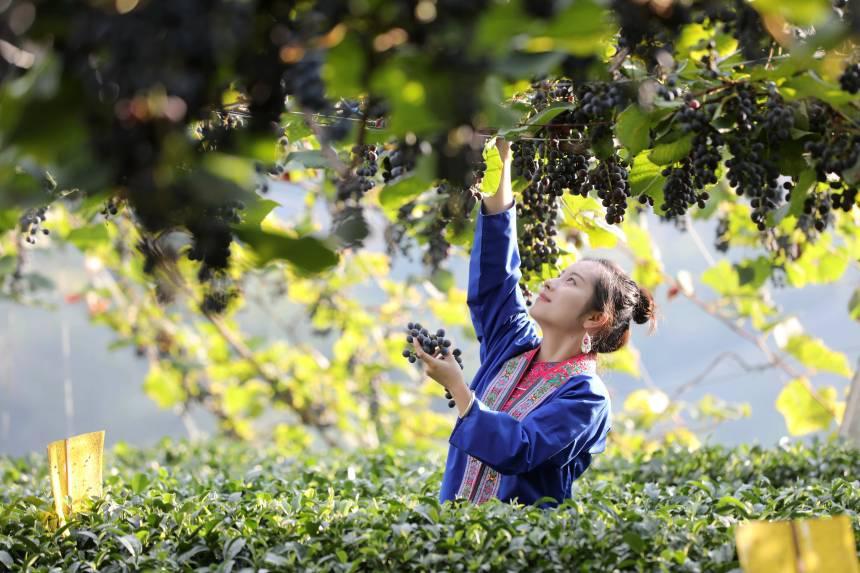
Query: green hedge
x=223, y=506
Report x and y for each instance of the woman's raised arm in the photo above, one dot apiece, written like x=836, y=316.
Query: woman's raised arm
x=495, y=302
x=504, y=195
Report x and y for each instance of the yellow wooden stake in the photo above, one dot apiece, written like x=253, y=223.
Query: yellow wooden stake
x=75, y=466
x=822, y=545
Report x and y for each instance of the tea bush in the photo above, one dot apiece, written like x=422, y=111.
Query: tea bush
x=222, y=506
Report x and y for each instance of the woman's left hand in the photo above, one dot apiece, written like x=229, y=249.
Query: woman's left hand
x=443, y=369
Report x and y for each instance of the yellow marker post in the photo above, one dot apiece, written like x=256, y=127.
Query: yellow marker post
x=822, y=545
x=75, y=466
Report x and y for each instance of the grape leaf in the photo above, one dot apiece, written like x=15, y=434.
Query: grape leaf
x=812, y=352
x=305, y=253
x=802, y=412
x=667, y=153
x=631, y=129
x=88, y=237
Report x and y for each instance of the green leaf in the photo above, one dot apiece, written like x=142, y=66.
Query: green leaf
x=417, y=93
x=164, y=385
x=803, y=413
x=632, y=128
x=543, y=117
x=583, y=28
x=498, y=24
x=9, y=219
x=450, y=309
x=809, y=85
x=344, y=67
x=668, y=153
x=854, y=305
x=635, y=541
x=645, y=177
x=239, y=170
x=313, y=158
x=801, y=12
x=727, y=502
x=722, y=277
x=493, y=173
x=295, y=127
x=820, y=263
x=305, y=253
x=247, y=400
x=754, y=272
x=395, y=195
x=256, y=211
x=801, y=190
x=518, y=64
x=813, y=353
x=131, y=543
x=139, y=482
x=232, y=548
x=625, y=360
x=6, y=559
x=89, y=237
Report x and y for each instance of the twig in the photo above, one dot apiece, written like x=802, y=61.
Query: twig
x=714, y=363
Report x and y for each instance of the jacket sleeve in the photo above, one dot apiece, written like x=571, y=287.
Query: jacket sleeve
x=495, y=302
x=570, y=422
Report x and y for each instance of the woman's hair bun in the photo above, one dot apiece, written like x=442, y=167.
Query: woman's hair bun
x=644, y=309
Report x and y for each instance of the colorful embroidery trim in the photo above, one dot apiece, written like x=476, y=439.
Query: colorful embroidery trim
x=482, y=480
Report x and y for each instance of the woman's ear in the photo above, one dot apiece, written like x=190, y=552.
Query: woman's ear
x=596, y=320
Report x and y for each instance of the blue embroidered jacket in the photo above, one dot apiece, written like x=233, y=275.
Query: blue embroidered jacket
x=546, y=439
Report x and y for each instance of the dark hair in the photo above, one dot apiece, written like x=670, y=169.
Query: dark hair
x=617, y=295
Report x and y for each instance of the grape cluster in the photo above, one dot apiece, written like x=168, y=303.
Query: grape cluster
x=647, y=28
x=742, y=106
x=458, y=202
x=438, y=246
x=846, y=199
x=745, y=24
x=303, y=79
x=597, y=100
x=668, y=91
x=778, y=117
x=608, y=178
x=211, y=237
x=707, y=141
x=523, y=162
x=850, y=79
x=679, y=191
x=399, y=161
x=754, y=174
x=158, y=253
x=217, y=298
x=833, y=154
x=817, y=209
x=539, y=207
x=30, y=223
x=111, y=207
x=359, y=180
x=432, y=344
x=396, y=238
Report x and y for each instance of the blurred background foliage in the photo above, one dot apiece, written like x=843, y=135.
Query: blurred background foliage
x=152, y=137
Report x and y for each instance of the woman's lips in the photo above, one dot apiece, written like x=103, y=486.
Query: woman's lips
x=542, y=297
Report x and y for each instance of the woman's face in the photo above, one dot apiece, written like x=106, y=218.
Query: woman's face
x=562, y=299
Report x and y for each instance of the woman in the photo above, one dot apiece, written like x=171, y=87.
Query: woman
x=536, y=410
